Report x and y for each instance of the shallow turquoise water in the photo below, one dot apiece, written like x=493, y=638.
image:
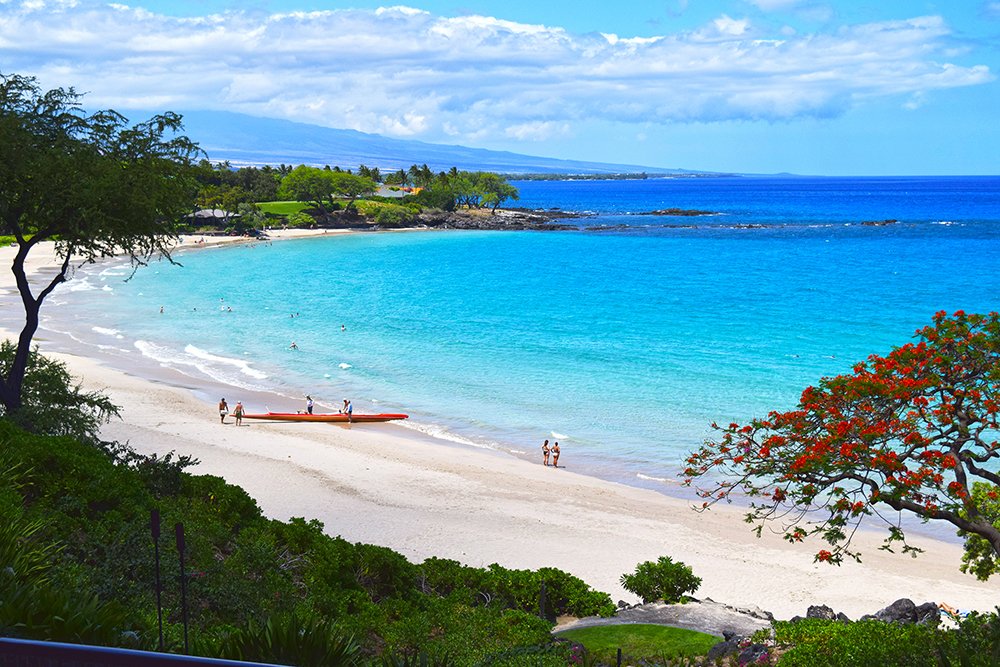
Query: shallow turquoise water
x=623, y=346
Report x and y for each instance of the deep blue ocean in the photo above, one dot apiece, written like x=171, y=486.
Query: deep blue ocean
x=624, y=340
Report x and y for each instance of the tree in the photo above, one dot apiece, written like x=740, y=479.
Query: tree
x=53, y=403
x=309, y=184
x=913, y=432
x=93, y=184
x=495, y=189
x=350, y=186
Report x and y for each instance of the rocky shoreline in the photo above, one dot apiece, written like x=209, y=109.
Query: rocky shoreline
x=500, y=219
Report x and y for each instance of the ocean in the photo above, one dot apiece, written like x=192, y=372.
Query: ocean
x=623, y=340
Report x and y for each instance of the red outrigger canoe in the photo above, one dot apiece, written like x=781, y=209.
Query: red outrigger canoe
x=335, y=417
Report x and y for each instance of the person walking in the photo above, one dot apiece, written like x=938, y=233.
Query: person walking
x=555, y=455
x=349, y=410
x=238, y=413
x=223, y=410
x=545, y=453
x=309, y=404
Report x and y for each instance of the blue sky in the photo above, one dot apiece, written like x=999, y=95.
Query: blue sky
x=756, y=86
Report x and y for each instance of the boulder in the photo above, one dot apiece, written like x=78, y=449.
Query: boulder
x=928, y=613
x=820, y=611
x=900, y=611
x=722, y=650
x=751, y=654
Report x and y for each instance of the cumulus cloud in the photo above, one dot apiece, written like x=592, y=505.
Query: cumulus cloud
x=406, y=72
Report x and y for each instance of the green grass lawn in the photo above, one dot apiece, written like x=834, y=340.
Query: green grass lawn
x=283, y=207
x=641, y=641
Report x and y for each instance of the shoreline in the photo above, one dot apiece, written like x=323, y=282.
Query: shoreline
x=392, y=486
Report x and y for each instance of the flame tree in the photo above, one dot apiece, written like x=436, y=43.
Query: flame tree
x=911, y=433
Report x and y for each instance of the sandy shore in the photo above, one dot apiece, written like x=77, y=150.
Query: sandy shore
x=379, y=484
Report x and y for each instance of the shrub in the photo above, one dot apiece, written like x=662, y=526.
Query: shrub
x=292, y=640
x=52, y=404
x=300, y=220
x=661, y=580
x=835, y=644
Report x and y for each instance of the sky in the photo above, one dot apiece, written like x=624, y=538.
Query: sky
x=878, y=87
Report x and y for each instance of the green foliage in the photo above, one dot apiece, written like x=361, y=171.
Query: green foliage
x=282, y=207
x=980, y=557
x=52, y=403
x=436, y=197
x=300, y=220
x=910, y=432
x=251, y=581
x=819, y=642
x=307, y=184
x=307, y=641
x=661, y=580
x=975, y=643
x=386, y=214
x=640, y=642
x=93, y=184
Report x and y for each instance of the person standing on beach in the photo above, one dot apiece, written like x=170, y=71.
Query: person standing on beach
x=545, y=453
x=223, y=410
x=555, y=455
x=238, y=413
x=309, y=404
x=348, y=410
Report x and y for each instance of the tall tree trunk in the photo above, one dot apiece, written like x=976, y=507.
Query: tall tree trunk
x=12, y=382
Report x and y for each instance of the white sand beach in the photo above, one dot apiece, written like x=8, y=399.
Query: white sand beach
x=386, y=485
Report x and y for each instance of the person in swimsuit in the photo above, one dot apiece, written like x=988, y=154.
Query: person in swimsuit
x=223, y=410
x=555, y=455
x=545, y=453
x=238, y=413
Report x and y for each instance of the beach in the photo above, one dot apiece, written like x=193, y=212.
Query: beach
x=422, y=497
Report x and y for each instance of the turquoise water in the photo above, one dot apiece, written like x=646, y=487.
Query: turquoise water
x=623, y=345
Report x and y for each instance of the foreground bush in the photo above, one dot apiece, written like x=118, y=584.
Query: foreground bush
x=83, y=511
x=975, y=643
x=661, y=580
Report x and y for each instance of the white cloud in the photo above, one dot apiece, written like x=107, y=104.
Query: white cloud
x=774, y=5
x=729, y=26
x=537, y=130
x=405, y=72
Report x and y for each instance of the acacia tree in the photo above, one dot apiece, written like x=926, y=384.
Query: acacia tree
x=912, y=433
x=350, y=186
x=309, y=184
x=90, y=182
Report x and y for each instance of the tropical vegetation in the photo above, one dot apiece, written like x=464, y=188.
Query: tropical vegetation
x=914, y=432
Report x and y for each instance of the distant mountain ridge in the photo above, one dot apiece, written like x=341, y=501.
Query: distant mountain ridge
x=251, y=140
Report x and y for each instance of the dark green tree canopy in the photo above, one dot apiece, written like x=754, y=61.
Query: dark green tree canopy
x=91, y=183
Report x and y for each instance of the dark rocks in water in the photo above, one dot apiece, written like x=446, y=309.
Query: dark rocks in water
x=879, y=223
x=691, y=212
x=501, y=219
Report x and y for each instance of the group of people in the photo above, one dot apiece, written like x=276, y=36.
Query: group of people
x=347, y=409
x=552, y=451
x=224, y=410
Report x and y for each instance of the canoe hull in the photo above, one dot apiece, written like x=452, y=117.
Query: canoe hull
x=334, y=418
